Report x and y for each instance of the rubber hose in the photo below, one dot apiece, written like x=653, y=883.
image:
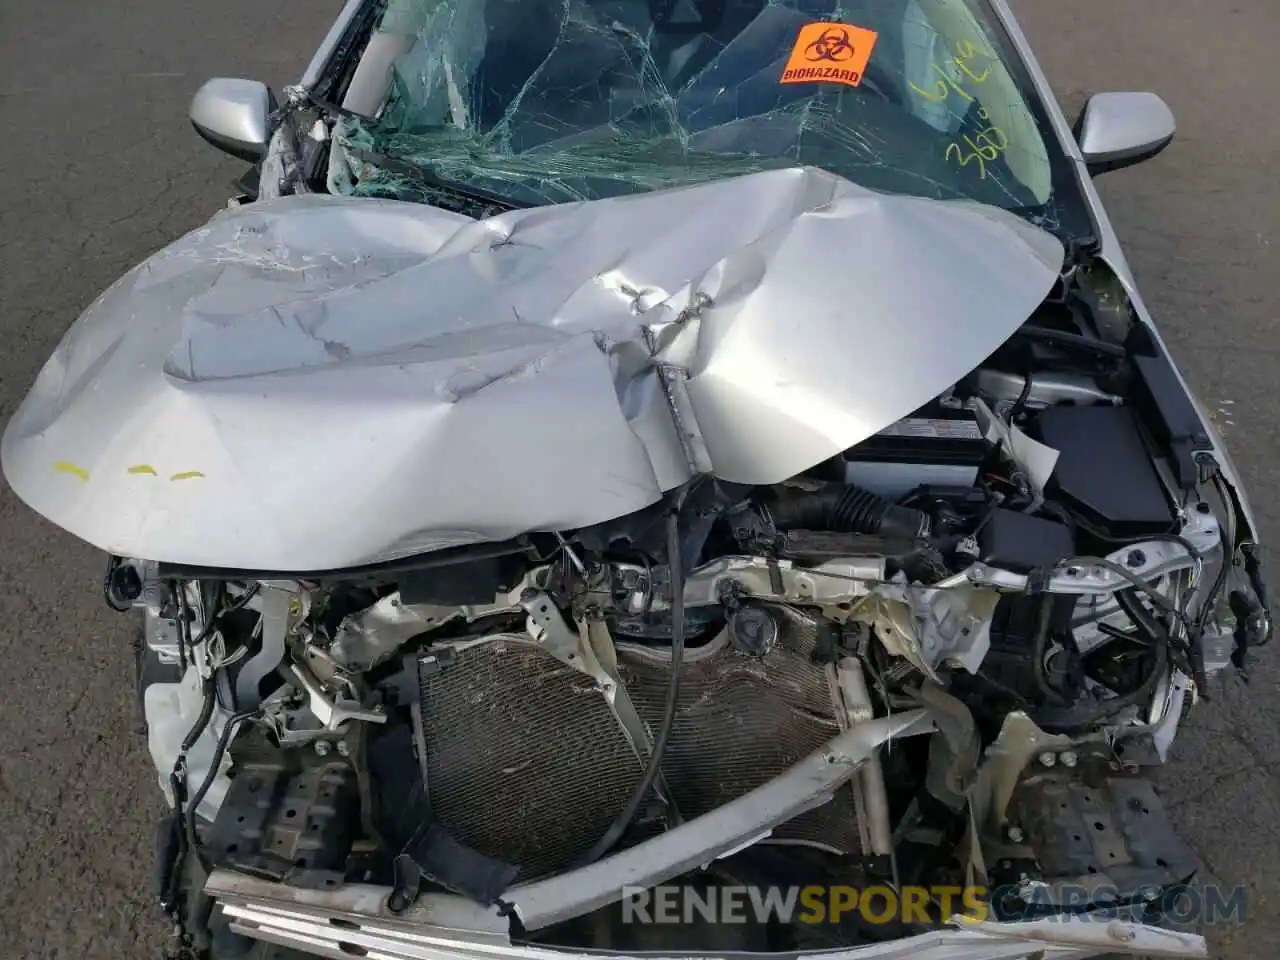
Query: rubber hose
x=846, y=509
x=1141, y=617
x=1040, y=650
x=205, y=715
x=620, y=824
x=219, y=750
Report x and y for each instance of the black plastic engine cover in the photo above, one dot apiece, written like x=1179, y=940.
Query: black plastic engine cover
x=1166, y=406
x=1022, y=543
x=1104, y=471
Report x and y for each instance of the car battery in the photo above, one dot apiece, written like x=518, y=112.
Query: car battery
x=938, y=446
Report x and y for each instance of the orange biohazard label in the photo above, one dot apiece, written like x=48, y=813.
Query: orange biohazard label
x=829, y=53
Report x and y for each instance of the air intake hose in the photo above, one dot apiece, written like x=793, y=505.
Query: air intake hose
x=844, y=509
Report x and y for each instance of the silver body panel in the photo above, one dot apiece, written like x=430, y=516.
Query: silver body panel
x=318, y=382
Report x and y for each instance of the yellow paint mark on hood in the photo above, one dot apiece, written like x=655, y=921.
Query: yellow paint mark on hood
x=143, y=469
x=187, y=475
x=63, y=466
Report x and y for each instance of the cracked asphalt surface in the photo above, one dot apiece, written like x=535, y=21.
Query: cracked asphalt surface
x=99, y=167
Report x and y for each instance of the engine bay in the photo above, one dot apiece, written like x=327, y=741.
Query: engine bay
x=1010, y=595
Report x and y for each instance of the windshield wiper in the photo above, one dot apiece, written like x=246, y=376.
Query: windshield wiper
x=424, y=176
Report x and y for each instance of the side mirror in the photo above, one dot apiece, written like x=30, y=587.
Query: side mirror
x=1120, y=129
x=233, y=115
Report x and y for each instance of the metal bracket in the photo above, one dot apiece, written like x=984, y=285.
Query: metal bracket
x=868, y=784
x=333, y=712
x=551, y=633
x=373, y=635
x=277, y=602
x=591, y=652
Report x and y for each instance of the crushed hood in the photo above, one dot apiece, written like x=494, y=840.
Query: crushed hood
x=317, y=382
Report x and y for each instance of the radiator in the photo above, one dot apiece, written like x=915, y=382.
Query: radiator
x=525, y=760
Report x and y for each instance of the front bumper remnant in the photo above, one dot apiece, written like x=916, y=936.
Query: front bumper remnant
x=354, y=919
x=353, y=922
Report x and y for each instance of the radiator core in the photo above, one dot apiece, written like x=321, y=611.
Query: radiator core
x=525, y=760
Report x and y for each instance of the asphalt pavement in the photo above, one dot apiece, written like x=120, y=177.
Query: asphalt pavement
x=99, y=167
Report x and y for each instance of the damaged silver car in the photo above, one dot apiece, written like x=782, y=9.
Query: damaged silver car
x=618, y=455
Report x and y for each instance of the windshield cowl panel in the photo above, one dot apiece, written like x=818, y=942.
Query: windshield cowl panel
x=553, y=101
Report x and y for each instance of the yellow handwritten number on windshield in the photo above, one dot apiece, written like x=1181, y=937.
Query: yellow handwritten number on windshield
x=982, y=147
x=966, y=52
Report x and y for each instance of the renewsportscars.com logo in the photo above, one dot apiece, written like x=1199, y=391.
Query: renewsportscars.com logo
x=675, y=904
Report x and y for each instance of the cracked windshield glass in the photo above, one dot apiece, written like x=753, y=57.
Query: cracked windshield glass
x=534, y=102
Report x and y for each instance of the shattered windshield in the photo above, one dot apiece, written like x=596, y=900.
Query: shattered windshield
x=547, y=101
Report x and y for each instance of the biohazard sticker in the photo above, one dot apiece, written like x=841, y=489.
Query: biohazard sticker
x=829, y=53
